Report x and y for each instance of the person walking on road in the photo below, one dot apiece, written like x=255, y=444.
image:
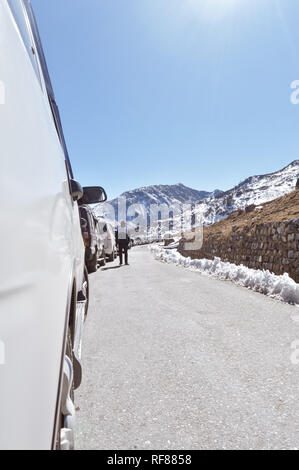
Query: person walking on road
x=122, y=241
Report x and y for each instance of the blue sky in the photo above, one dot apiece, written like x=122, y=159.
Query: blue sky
x=168, y=91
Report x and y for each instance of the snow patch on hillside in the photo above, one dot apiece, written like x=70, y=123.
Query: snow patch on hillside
x=254, y=190
x=279, y=287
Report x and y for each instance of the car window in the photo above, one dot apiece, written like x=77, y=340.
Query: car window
x=22, y=23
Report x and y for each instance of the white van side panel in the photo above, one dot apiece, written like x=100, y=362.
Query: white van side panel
x=41, y=250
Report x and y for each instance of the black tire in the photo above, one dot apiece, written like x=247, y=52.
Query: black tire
x=103, y=260
x=112, y=257
x=93, y=264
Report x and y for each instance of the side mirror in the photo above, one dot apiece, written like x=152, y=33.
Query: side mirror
x=93, y=195
x=76, y=190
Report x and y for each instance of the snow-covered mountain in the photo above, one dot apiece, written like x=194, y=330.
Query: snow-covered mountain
x=143, y=198
x=164, y=194
x=254, y=190
x=214, y=206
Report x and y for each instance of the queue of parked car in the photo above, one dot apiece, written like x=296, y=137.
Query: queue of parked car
x=99, y=239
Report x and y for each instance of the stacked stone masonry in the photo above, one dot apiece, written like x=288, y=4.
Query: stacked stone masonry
x=273, y=246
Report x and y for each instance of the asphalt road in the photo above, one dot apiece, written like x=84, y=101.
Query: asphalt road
x=176, y=360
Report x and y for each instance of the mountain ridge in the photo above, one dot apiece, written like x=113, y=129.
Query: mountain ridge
x=165, y=193
x=216, y=205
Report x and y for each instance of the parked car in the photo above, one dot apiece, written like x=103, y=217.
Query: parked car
x=43, y=283
x=94, y=242
x=109, y=239
x=101, y=243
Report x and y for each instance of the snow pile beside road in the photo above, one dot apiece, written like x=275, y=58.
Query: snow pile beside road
x=279, y=287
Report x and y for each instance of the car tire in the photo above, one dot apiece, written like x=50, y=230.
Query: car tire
x=93, y=264
x=112, y=256
x=103, y=260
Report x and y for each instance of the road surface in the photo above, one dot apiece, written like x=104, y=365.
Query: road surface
x=177, y=360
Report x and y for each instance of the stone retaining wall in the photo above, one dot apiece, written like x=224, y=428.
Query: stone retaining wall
x=273, y=246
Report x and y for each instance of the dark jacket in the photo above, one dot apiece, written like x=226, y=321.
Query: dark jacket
x=124, y=242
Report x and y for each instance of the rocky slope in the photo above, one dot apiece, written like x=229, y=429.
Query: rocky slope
x=254, y=190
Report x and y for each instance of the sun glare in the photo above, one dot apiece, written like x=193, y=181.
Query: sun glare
x=212, y=8
x=218, y=3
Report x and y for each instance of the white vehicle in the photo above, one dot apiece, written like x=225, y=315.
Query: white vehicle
x=109, y=239
x=43, y=286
